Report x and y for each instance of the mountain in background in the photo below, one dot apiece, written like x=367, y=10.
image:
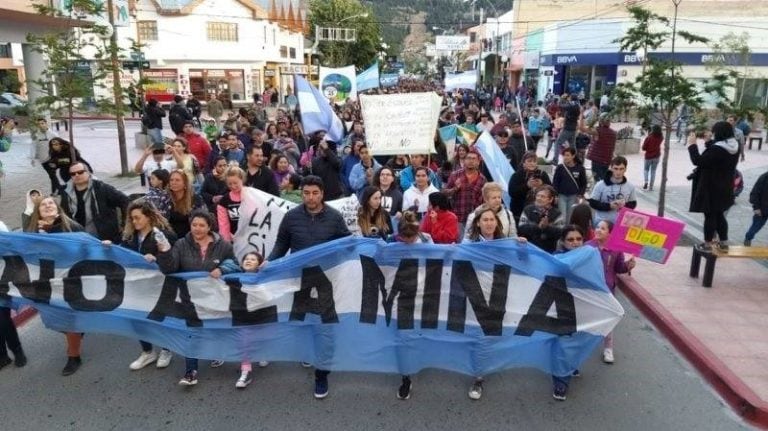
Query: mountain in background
x=396, y=17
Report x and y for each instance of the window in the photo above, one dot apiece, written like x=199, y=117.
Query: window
x=283, y=51
x=222, y=31
x=5, y=50
x=293, y=52
x=147, y=30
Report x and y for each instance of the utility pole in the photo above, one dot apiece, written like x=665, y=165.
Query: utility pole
x=117, y=90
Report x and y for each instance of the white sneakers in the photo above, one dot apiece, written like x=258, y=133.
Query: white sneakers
x=143, y=360
x=244, y=380
x=146, y=358
x=164, y=359
x=263, y=364
x=608, y=355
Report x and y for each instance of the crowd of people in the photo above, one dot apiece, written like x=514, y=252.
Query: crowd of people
x=187, y=218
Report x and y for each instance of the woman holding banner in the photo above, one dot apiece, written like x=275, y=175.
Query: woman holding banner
x=49, y=218
x=145, y=230
x=200, y=250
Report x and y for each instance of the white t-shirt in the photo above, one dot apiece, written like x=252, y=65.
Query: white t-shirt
x=150, y=165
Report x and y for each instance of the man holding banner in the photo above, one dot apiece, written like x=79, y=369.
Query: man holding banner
x=304, y=226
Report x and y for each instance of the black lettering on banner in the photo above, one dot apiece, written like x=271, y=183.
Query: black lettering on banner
x=258, y=238
x=465, y=285
x=168, y=306
x=552, y=291
x=114, y=275
x=16, y=271
x=238, y=305
x=430, y=304
x=403, y=287
x=324, y=306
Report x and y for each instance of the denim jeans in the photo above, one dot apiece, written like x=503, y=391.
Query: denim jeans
x=599, y=171
x=565, y=204
x=191, y=364
x=649, y=171
x=155, y=136
x=757, y=223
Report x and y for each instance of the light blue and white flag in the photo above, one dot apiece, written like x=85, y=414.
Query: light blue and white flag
x=369, y=78
x=465, y=80
x=316, y=112
x=496, y=162
x=389, y=80
x=352, y=304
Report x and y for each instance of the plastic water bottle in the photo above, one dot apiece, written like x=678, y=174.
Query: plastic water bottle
x=162, y=242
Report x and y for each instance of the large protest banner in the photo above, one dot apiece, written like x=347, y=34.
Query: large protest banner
x=352, y=304
x=261, y=214
x=400, y=123
x=338, y=84
x=464, y=80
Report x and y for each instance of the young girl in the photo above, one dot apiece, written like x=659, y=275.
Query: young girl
x=157, y=194
x=613, y=264
x=250, y=263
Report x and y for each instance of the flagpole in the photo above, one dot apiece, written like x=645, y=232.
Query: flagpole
x=520, y=118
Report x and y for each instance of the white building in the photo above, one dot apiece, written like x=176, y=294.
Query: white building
x=207, y=48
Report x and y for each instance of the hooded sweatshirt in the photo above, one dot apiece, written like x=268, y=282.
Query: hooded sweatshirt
x=606, y=191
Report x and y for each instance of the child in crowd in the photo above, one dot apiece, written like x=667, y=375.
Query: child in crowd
x=251, y=263
x=290, y=188
x=613, y=264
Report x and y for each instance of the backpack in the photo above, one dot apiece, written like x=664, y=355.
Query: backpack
x=738, y=183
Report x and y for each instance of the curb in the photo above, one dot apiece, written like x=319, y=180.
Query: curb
x=733, y=390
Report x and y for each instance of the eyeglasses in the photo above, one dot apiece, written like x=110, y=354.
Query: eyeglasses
x=76, y=173
x=574, y=239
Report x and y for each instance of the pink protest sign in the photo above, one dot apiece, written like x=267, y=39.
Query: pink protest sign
x=646, y=236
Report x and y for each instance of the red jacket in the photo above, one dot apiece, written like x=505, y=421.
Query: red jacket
x=445, y=230
x=652, y=146
x=200, y=148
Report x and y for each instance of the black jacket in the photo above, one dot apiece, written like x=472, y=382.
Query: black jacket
x=154, y=117
x=758, y=197
x=327, y=166
x=177, y=116
x=149, y=245
x=108, y=200
x=212, y=186
x=519, y=190
x=301, y=229
x=263, y=180
x=713, y=181
x=185, y=256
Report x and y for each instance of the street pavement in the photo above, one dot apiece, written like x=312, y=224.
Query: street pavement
x=650, y=386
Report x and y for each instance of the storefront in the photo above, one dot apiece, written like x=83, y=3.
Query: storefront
x=227, y=84
x=271, y=75
x=582, y=73
x=163, y=84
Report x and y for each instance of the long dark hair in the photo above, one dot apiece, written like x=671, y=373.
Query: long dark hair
x=367, y=217
x=722, y=130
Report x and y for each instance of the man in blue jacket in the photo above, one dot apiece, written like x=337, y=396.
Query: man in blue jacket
x=304, y=226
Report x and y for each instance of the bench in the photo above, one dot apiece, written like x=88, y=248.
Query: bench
x=711, y=257
x=756, y=135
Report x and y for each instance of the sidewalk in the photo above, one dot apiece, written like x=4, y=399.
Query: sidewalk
x=720, y=330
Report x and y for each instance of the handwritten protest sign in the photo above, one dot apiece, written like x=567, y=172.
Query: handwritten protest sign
x=262, y=213
x=646, y=236
x=400, y=123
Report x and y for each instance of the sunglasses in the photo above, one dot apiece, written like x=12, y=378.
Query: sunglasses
x=76, y=173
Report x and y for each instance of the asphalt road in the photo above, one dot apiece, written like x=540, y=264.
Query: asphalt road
x=650, y=387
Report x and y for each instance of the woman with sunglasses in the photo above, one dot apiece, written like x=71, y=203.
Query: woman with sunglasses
x=49, y=218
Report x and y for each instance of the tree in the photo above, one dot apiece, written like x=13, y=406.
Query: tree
x=335, y=14
x=661, y=83
x=70, y=79
x=731, y=60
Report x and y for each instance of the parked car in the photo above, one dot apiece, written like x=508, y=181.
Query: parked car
x=9, y=101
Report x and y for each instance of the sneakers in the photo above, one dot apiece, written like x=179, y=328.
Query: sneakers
x=73, y=364
x=645, y=186
x=306, y=364
x=608, y=355
x=5, y=361
x=263, y=364
x=189, y=379
x=404, y=391
x=576, y=373
x=559, y=389
x=244, y=380
x=476, y=391
x=164, y=359
x=217, y=363
x=321, y=388
x=723, y=246
x=19, y=359
x=143, y=360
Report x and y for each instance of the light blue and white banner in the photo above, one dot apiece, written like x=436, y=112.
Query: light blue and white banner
x=352, y=304
x=389, y=80
x=316, y=112
x=464, y=80
x=369, y=78
x=496, y=162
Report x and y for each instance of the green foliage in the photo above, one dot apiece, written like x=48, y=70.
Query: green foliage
x=330, y=13
x=70, y=78
x=9, y=81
